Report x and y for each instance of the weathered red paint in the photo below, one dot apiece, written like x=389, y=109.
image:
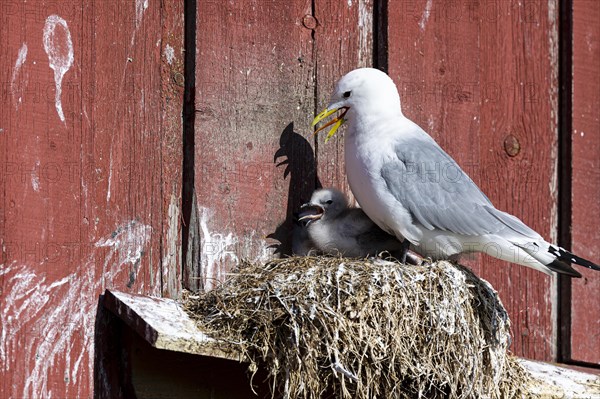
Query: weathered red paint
x=254, y=103
x=84, y=202
x=255, y=99
x=344, y=41
x=585, y=323
x=93, y=203
x=473, y=74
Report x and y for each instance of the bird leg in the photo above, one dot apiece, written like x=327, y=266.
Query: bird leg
x=404, y=246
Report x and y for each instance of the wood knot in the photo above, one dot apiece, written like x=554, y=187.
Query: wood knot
x=309, y=22
x=512, y=147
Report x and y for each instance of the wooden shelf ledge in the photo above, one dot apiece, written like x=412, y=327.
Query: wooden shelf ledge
x=559, y=381
x=164, y=324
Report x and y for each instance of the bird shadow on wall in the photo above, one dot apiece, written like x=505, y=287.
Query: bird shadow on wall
x=296, y=155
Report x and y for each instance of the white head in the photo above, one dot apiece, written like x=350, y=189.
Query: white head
x=362, y=92
x=326, y=204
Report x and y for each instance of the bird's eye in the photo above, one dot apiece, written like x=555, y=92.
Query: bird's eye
x=347, y=94
x=329, y=202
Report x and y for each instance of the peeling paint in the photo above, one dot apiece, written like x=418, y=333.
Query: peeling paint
x=553, y=99
x=425, y=17
x=140, y=8
x=110, y=171
x=17, y=90
x=35, y=182
x=365, y=33
x=172, y=257
x=35, y=178
x=216, y=248
x=550, y=295
x=128, y=243
x=60, y=55
x=219, y=250
x=169, y=54
x=46, y=323
x=257, y=246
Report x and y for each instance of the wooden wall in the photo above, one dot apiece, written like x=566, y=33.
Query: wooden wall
x=256, y=93
x=585, y=196
x=95, y=196
x=481, y=78
x=90, y=144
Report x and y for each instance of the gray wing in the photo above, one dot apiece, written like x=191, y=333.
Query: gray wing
x=439, y=195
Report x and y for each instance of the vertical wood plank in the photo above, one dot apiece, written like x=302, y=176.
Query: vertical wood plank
x=83, y=197
x=254, y=102
x=344, y=41
x=480, y=77
x=171, y=144
x=585, y=234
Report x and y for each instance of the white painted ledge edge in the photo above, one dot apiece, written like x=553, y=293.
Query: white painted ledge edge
x=552, y=381
x=164, y=324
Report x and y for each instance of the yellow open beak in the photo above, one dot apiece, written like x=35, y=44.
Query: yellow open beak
x=336, y=122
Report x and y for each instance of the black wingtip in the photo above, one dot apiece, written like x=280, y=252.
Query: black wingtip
x=565, y=257
x=563, y=268
x=581, y=262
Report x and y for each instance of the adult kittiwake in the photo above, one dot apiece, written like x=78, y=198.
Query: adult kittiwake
x=334, y=228
x=411, y=188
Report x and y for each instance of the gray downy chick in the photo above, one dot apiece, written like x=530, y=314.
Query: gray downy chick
x=334, y=228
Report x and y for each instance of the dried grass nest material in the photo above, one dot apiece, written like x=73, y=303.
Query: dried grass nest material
x=348, y=328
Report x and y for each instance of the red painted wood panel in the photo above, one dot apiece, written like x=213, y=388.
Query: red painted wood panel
x=255, y=99
x=344, y=41
x=585, y=233
x=478, y=76
x=254, y=104
x=90, y=184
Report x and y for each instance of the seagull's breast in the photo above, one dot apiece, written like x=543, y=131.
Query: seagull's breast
x=364, y=157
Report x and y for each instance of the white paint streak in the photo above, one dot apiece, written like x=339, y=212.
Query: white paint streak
x=110, y=169
x=35, y=178
x=256, y=249
x=349, y=3
x=553, y=99
x=59, y=49
x=172, y=258
x=46, y=324
x=550, y=296
x=128, y=242
x=216, y=248
x=35, y=182
x=219, y=250
x=365, y=33
x=169, y=53
x=17, y=90
x=140, y=8
x=430, y=123
x=425, y=16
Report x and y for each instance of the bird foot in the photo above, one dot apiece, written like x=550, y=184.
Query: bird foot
x=404, y=246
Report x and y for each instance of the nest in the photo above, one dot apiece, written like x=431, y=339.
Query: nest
x=347, y=328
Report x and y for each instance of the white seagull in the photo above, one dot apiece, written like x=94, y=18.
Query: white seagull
x=411, y=188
